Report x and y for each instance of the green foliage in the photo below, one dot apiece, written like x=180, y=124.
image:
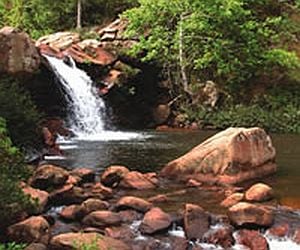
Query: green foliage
x=12, y=246
x=40, y=17
x=228, y=41
x=19, y=111
x=12, y=171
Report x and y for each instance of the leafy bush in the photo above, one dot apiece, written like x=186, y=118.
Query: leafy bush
x=19, y=111
x=12, y=246
x=12, y=171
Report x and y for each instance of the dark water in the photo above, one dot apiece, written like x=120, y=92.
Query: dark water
x=154, y=149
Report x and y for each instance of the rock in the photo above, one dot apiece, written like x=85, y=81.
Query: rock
x=280, y=231
x=17, y=52
x=124, y=233
x=221, y=236
x=232, y=199
x=33, y=229
x=161, y=113
x=112, y=176
x=243, y=214
x=72, y=212
x=36, y=246
x=68, y=194
x=85, y=174
x=193, y=183
x=155, y=220
x=259, y=192
x=40, y=196
x=252, y=239
x=196, y=221
x=47, y=176
x=158, y=198
x=102, y=219
x=137, y=180
x=296, y=236
x=135, y=203
x=98, y=191
x=231, y=156
x=129, y=216
x=91, y=205
x=78, y=241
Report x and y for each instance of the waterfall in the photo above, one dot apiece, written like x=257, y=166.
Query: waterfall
x=86, y=108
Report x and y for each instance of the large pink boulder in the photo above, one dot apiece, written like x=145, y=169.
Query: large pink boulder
x=231, y=156
x=17, y=52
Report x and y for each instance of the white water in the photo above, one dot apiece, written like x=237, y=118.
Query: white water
x=86, y=108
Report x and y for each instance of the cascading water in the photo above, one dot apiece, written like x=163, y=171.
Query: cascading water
x=86, y=108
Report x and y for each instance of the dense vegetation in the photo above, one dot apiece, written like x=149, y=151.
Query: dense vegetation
x=241, y=45
x=12, y=199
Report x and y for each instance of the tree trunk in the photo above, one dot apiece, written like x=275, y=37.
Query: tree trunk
x=78, y=26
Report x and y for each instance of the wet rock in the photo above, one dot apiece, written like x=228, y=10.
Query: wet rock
x=154, y=221
x=231, y=156
x=47, y=176
x=112, y=176
x=67, y=195
x=221, y=236
x=102, y=219
x=17, y=52
x=135, y=203
x=124, y=233
x=259, y=192
x=137, y=180
x=281, y=230
x=72, y=241
x=98, y=191
x=296, y=236
x=41, y=197
x=193, y=183
x=72, y=212
x=196, y=221
x=129, y=216
x=232, y=199
x=91, y=205
x=246, y=214
x=33, y=229
x=85, y=174
x=158, y=198
x=36, y=246
x=252, y=239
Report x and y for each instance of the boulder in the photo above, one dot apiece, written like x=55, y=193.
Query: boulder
x=124, y=232
x=129, y=216
x=196, y=221
x=36, y=246
x=41, y=197
x=98, y=191
x=102, y=219
x=154, y=221
x=137, y=180
x=91, y=205
x=71, y=212
x=280, y=230
x=70, y=241
x=247, y=214
x=49, y=176
x=259, y=192
x=232, y=199
x=33, y=229
x=222, y=236
x=17, y=52
x=113, y=175
x=135, y=203
x=254, y=240
x=84, y=174
x=231, y=156
x=68, y=194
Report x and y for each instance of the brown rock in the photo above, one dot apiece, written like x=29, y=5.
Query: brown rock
x=36, y=246
x=72, y=241
x=17, y=52
x=245, y=213
x=124, y=233
x=158, y=198
x=68, y=194
x=252, y=239
x=71, y=212
x=135, y=203
x=155, y=220
x=47, y=176
x=196, y=221
x=37, y=195
x=129, y=216
x=296, y=236
x=221, y=236
x=85, y=174
x=102, y=219
x=33, y=229
x=137, y=180
x=98, y=191
x=91, y=205
x=232, y=199
x=231, y=156
x=259, y=192
x=193, y=183
x=112, y=176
